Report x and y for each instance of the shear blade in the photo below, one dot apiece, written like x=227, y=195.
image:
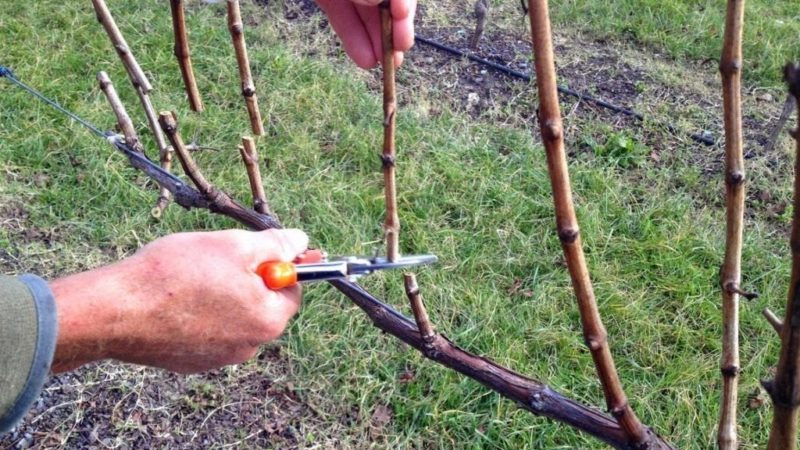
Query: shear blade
x=381, y=263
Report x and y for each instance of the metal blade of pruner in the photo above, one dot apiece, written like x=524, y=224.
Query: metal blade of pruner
x=353, y=266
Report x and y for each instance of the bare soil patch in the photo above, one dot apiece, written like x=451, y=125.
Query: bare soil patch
x=110, y=405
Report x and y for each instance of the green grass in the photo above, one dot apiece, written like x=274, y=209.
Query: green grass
x=476, y=194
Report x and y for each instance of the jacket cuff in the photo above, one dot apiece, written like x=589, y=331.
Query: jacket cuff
x=43, y=315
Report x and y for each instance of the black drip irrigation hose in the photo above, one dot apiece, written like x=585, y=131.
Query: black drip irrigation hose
x=701, y=138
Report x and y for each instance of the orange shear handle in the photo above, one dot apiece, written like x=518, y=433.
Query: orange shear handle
x=280, y=274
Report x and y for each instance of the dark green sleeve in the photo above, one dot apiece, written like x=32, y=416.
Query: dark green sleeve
x=28, y=328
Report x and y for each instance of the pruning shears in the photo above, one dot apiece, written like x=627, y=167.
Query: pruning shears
x=314, y=265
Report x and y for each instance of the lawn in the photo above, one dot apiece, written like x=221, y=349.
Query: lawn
x=473, y=189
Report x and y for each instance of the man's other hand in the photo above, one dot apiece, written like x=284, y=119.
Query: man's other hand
x=358, y=24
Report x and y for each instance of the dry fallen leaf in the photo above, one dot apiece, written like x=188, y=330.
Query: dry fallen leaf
x=655, y=156
x=756, y=399
x=381, y=416
x=515, y=286
x=407, y=376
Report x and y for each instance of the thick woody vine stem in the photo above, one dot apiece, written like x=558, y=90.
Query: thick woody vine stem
x=219, y=201
x=785, y=388
x=250, y=159
x=553, y=138
x=236, y=28
x=169, y=124
x=391, y=226
x=730, y=68
x=143, y=87
x=528, y=393
x=183, y=54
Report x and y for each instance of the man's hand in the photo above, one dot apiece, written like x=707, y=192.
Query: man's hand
x=187, y=302
x=358, y=24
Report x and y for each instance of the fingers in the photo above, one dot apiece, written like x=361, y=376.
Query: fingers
x=371, y=19
x=277, y=245
x=348, y=26
x=290, y=299
x=357, y=23
x=276, y=311
x=403, y=17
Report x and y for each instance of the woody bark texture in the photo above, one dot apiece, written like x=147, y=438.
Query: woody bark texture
x=481, y=13
x=219, y=202
x=142, y=87
x=236, y=28
x=528, y=393
x=183, y=54
x=418, y=307
x=391, y=226
x=135, y=72
x=773, y=319
x=123, y=120
x=250, y=159
x=785, y=388
x=730, y=274
x=567, y=226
